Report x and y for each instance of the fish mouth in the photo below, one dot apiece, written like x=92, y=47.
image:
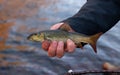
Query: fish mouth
x=28, y=38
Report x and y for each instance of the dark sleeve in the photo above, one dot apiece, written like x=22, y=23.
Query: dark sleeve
x=95, y=16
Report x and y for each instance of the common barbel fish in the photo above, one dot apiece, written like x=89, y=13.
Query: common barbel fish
x=60, y=35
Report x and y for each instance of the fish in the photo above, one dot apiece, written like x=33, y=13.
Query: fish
x=61, y=35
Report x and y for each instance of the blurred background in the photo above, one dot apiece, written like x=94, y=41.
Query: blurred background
x=18, y=56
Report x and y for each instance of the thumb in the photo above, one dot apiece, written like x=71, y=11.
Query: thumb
x=56, y=26
x=66, y=27
x=62, y=26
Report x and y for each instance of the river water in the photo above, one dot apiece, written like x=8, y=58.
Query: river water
x=18, y=56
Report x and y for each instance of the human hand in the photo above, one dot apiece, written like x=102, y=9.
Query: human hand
x=58, y=48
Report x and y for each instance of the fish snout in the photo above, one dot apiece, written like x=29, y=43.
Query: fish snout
x=30, y=37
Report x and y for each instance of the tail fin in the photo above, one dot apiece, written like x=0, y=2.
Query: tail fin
x=94, y=39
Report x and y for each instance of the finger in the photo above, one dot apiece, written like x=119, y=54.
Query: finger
x=56, y=26
x=70, y=46
x=45, y=45
x=52, y=49
x=108, y=66
x=60, y=49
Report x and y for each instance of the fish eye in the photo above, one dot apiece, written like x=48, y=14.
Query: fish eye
x=34, y=34
x=37, y=35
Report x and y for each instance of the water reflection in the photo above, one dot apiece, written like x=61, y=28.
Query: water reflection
x=12, y=12
x=4, y=33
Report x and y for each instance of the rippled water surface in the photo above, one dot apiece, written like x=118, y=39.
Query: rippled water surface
x=18, y=56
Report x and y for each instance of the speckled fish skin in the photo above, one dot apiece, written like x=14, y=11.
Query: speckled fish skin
x=60, y=35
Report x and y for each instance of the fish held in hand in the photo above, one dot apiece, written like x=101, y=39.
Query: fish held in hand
x=60, y=35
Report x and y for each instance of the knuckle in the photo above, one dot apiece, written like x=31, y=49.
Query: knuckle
x=60, y=49
x=45, y=45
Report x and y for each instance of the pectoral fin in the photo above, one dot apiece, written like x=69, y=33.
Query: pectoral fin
x=79, y=45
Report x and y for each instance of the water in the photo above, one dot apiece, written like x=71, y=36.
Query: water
x=18, y=56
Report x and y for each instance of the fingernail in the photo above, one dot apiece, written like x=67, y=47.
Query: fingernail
x=59, y=56
x=71, y=46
